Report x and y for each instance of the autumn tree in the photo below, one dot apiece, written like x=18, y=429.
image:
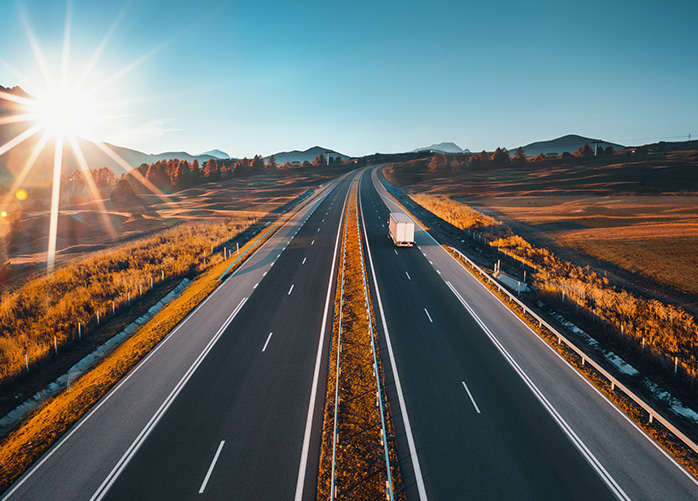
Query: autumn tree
x=257, y=165
x=609, y=150
x=211, y=170
x=584, y=151
x=438, y=163
x=286, y=166
x=183, y=177
x=500, y=158
x=320, y=161
x=195, y=169
x=157, y=176
x=540, y=157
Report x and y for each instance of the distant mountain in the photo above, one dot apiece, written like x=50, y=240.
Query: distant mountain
x=443, y=148
x=12, y=161
x=217, y=154
x=569, y=143
x=301, y=156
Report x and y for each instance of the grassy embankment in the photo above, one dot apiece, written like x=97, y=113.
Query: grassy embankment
x=46, y=312
x=46, y=425
x=664, y=330
x=555, y=276
x=360, y=460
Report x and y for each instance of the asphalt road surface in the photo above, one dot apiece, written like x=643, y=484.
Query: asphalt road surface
x=230, y=405
x=483, y=408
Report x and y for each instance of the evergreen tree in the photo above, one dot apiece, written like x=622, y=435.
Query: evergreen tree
x=257, y=165
x=519, y=159
x=271, y=164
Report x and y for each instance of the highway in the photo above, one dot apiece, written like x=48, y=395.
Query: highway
x=483, y=408
x=230, y=404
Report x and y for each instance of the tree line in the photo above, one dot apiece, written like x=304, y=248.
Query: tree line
x=502, y=158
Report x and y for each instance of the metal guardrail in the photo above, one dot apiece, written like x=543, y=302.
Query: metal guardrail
x=379, y=393
x=389, y=482
x=333, y=484
x=652, y=413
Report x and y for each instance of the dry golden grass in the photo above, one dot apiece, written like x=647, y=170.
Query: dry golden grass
x=653, y=237
x=458, y=214
x=53, y=305
x=658, y=432
x=360, y=460
x=43, y=427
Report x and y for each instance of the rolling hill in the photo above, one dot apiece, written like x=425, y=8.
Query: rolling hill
x=446, y=147
x=569, y=143
x=302, y=156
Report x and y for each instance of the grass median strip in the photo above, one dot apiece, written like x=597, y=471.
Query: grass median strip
x=40, y=430
x=360, y=471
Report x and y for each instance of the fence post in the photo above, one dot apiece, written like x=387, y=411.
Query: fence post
x=97, y=317
x=113, y=307
x=55, y=344
x=26, y=358
x=79, y=330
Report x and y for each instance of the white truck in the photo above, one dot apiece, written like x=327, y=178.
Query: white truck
x=401, y=229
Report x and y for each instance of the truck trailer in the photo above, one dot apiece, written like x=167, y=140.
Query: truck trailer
x=401, y=229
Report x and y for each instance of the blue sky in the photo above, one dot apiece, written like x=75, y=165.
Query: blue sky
x=361, y=76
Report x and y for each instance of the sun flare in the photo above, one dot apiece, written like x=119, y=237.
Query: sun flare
x=65, y=111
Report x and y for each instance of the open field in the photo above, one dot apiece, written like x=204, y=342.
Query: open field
x=82, y=228
x=632, y=219
x=651, y=237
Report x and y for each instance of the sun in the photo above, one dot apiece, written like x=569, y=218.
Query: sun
x=64, y=111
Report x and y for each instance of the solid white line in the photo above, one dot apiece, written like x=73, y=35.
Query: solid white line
x=289, y=291
x=121, y=383
x=428, y=316
x=316, y=375
x=408, y=276
x=145, y=432
x=304, y=260
x=566, y=428
x=398, y=386
x=471, y=397
x=268, y=339
x=210, y=468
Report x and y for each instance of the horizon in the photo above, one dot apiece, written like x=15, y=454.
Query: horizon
x=262, y=79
